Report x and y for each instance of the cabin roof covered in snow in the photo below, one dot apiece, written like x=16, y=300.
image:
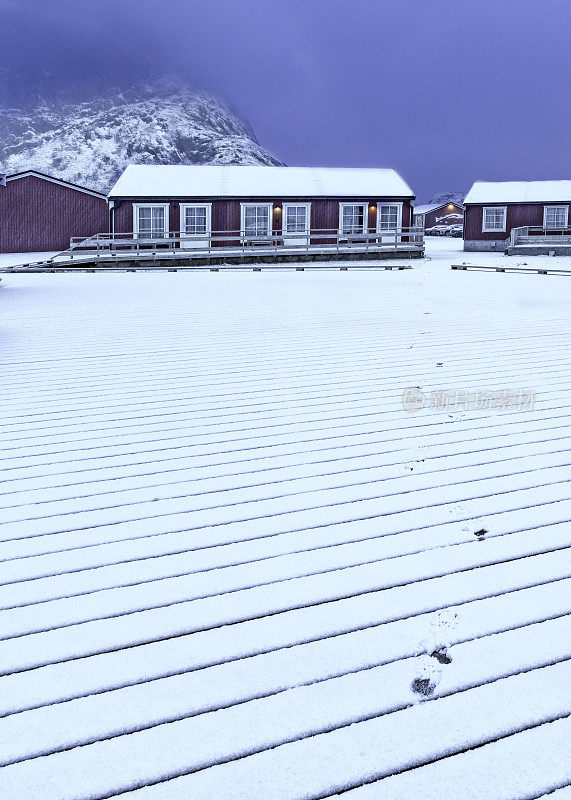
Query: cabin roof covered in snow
x=519, y=192
x=258, y=181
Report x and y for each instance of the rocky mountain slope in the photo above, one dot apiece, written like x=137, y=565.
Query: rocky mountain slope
x=448, y=197
x=91, y=142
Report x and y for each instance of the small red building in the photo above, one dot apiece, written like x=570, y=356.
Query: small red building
x=40, y=213
x=438, y=215
x=257, y=201
x=494, y=210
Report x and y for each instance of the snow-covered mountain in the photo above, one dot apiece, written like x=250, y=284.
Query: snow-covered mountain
x=448, y=197
x=91, y=142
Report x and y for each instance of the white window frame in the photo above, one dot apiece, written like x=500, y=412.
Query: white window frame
x=208, y=207
x=365, y=218
x=137, y=206
x=557, y=208
x=487, y=229
x=285, y=207
x=399, y=217
x=419, y=220
x=244, y=206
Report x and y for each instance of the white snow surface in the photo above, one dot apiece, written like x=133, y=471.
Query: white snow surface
x=233, y=566
x=520, y=192
x=176, y=180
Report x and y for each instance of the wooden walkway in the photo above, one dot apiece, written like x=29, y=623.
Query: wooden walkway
x=538, y=270
x=234, y=566
x=215, y=258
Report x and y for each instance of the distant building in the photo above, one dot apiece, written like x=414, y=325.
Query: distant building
x=495, y=213
x=40, y=213
x=256, y=202
x=433, y=214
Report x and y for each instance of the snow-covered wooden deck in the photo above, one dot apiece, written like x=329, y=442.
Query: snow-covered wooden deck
x=234, y=566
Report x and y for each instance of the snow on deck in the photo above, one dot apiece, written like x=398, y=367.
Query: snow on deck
x=234, y=566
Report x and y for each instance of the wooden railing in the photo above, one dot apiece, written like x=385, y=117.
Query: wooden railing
x=535, y=234
x=217, y=242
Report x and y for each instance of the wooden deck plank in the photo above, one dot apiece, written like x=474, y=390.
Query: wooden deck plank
x=228, y=552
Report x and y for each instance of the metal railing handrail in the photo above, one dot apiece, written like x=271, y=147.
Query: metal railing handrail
x=241, y=234
x=553, y=233
x=240, y=242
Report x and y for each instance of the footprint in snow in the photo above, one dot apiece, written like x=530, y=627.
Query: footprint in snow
x=425, y=686
x=414, y=466
x=435, y=652
x=477, y=527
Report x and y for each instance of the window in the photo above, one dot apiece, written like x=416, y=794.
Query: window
x=195, y=219
x=150, y=221
x=419, y=220
x=494, y=218
x=555, y=216
x=389, y=216
x=256, y=220
x=296, y=218
x=353, y=218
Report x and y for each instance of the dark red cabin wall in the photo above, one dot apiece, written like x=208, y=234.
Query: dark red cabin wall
x=517, y=216
x=226, y=213
x=38, y=215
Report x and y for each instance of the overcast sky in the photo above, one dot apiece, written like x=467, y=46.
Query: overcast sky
x=447, y=92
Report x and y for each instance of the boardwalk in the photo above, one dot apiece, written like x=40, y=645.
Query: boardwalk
x=234, y=566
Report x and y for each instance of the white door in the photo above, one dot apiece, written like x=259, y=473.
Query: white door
x=195, y=226
x=296, y=224
x=389, y=221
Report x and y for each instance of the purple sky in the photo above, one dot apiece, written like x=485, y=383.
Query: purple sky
x=447, y=92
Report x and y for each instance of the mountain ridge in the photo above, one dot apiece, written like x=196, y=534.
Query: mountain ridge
x=91, y=142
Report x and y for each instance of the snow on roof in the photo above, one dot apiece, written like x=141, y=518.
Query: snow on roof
x=432, y=206
x=257, y=181
x=519, y=192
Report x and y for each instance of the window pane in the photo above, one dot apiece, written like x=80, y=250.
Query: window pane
x=151, y=221
x=145, y=225
x=494, y=219
x=555, y=217
x=256, y=220
x=158, y=221
x=296, y=219
x=195, y=220
x=353, y=219
x=388, y=217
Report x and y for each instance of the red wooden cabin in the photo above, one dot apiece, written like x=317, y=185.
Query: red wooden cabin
x=199, y=202
x=41, y=213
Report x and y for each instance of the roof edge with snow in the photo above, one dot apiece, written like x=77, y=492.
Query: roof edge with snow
x=139, y=180
x=483, y=192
